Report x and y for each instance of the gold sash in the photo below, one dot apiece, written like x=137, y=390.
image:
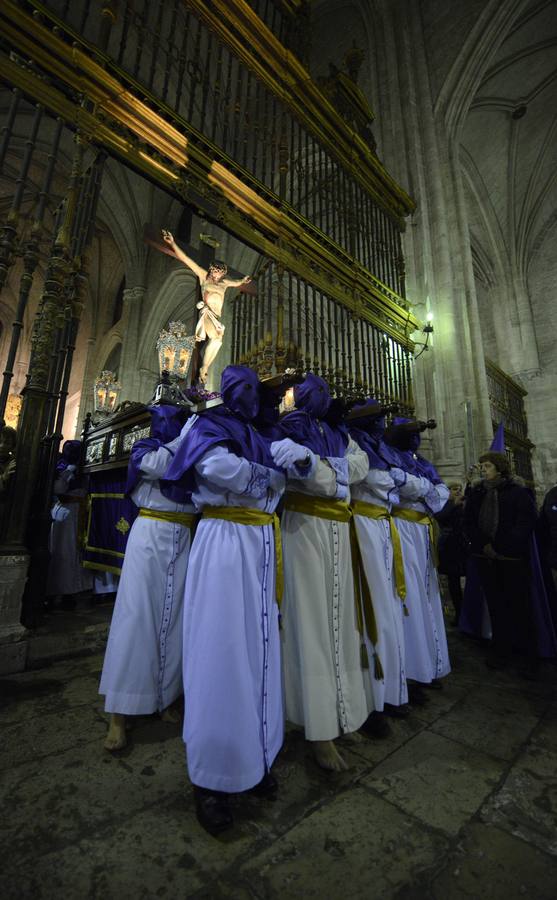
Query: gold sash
x=337, y=511
x=420, y=518
x=243, y=515
x=372, y=511
x=162, y=515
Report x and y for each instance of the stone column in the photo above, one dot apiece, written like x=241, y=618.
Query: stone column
x=440, y=274
x=86, y=403
x=129, y=374
x=13, y=646
x=147, y=382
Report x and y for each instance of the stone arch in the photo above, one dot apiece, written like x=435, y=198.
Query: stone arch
x=110, y=343
x=466, y=73
x=175, y=299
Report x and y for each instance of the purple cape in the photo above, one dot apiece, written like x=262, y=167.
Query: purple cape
x=173, y=491
x=317, y=436
x=218, y=426
x=470, y=620
x=427, y=470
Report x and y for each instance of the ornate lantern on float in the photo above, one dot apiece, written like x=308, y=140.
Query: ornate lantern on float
x=107, y=392
x=175, y=350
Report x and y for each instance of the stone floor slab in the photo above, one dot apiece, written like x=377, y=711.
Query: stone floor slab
x=437, y=780
x=492, y=720
x=151, y=851
x=355, y=846
x=496, y=866
x=87, y=787
x=526, y=804
x=55, y=732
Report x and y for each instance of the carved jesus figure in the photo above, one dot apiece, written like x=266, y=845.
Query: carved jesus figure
x=214, y=284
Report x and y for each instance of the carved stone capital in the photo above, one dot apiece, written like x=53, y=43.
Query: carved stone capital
x=527, y=375
x=134, y=294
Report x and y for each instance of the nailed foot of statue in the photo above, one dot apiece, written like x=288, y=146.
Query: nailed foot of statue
x=116, y=737
x=327, y=756
x=213, y=810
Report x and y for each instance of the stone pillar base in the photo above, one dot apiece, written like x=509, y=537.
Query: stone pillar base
x=13, y=636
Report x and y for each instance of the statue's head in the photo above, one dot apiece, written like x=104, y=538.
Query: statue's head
x=240, y=391
x=313, y=396
x=217, y=271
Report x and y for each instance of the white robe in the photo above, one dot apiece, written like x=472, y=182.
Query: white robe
x=326, y=689
x=377, y=553
x=142, y=670
x=234, y=719
x=427, y=654
x=66, y=574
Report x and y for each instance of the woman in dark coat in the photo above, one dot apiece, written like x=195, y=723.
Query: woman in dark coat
x=500, y=517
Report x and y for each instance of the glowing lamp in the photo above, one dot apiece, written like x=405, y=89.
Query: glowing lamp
x=107, y=392
x=175, y=349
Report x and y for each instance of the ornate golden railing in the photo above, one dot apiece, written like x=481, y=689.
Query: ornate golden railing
x=506, y=399
x=315, y=332
x=223, y=116
x=221, y=70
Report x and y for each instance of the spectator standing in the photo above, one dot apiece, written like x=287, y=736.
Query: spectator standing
x=452, y=545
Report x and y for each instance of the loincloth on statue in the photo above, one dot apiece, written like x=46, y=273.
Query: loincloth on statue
x=200, y=328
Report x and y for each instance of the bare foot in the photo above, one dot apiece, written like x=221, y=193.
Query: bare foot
x=328, y=757
x=116, y=737
x=170, y=715
x=354, y=737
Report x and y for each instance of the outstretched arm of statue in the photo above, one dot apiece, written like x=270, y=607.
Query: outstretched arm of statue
x=237, y=282
x=183, y=257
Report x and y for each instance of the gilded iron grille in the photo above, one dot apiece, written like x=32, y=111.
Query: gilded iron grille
x=506, y=399
x=174, y=56
x=291, y=324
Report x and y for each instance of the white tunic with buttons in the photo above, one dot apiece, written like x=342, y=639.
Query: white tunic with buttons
x=427, y=654
x=377, y=553
x=326, y=689
x=142, y=670
x=234, y=720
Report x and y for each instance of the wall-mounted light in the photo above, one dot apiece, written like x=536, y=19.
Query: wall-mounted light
x=427, y=330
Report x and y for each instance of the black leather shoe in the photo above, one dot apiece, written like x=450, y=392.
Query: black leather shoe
x=396, y=712
x=416, y=695
x=267, y=787
x=213, y=810
x=435, y=685
x=376, y=725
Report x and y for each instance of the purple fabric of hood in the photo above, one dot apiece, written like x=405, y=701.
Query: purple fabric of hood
x=304, y=424
x=312, y=396
x=226, y=425
x=368, y=431
x=166, y=424
x=240, y=391
x=70, y=456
